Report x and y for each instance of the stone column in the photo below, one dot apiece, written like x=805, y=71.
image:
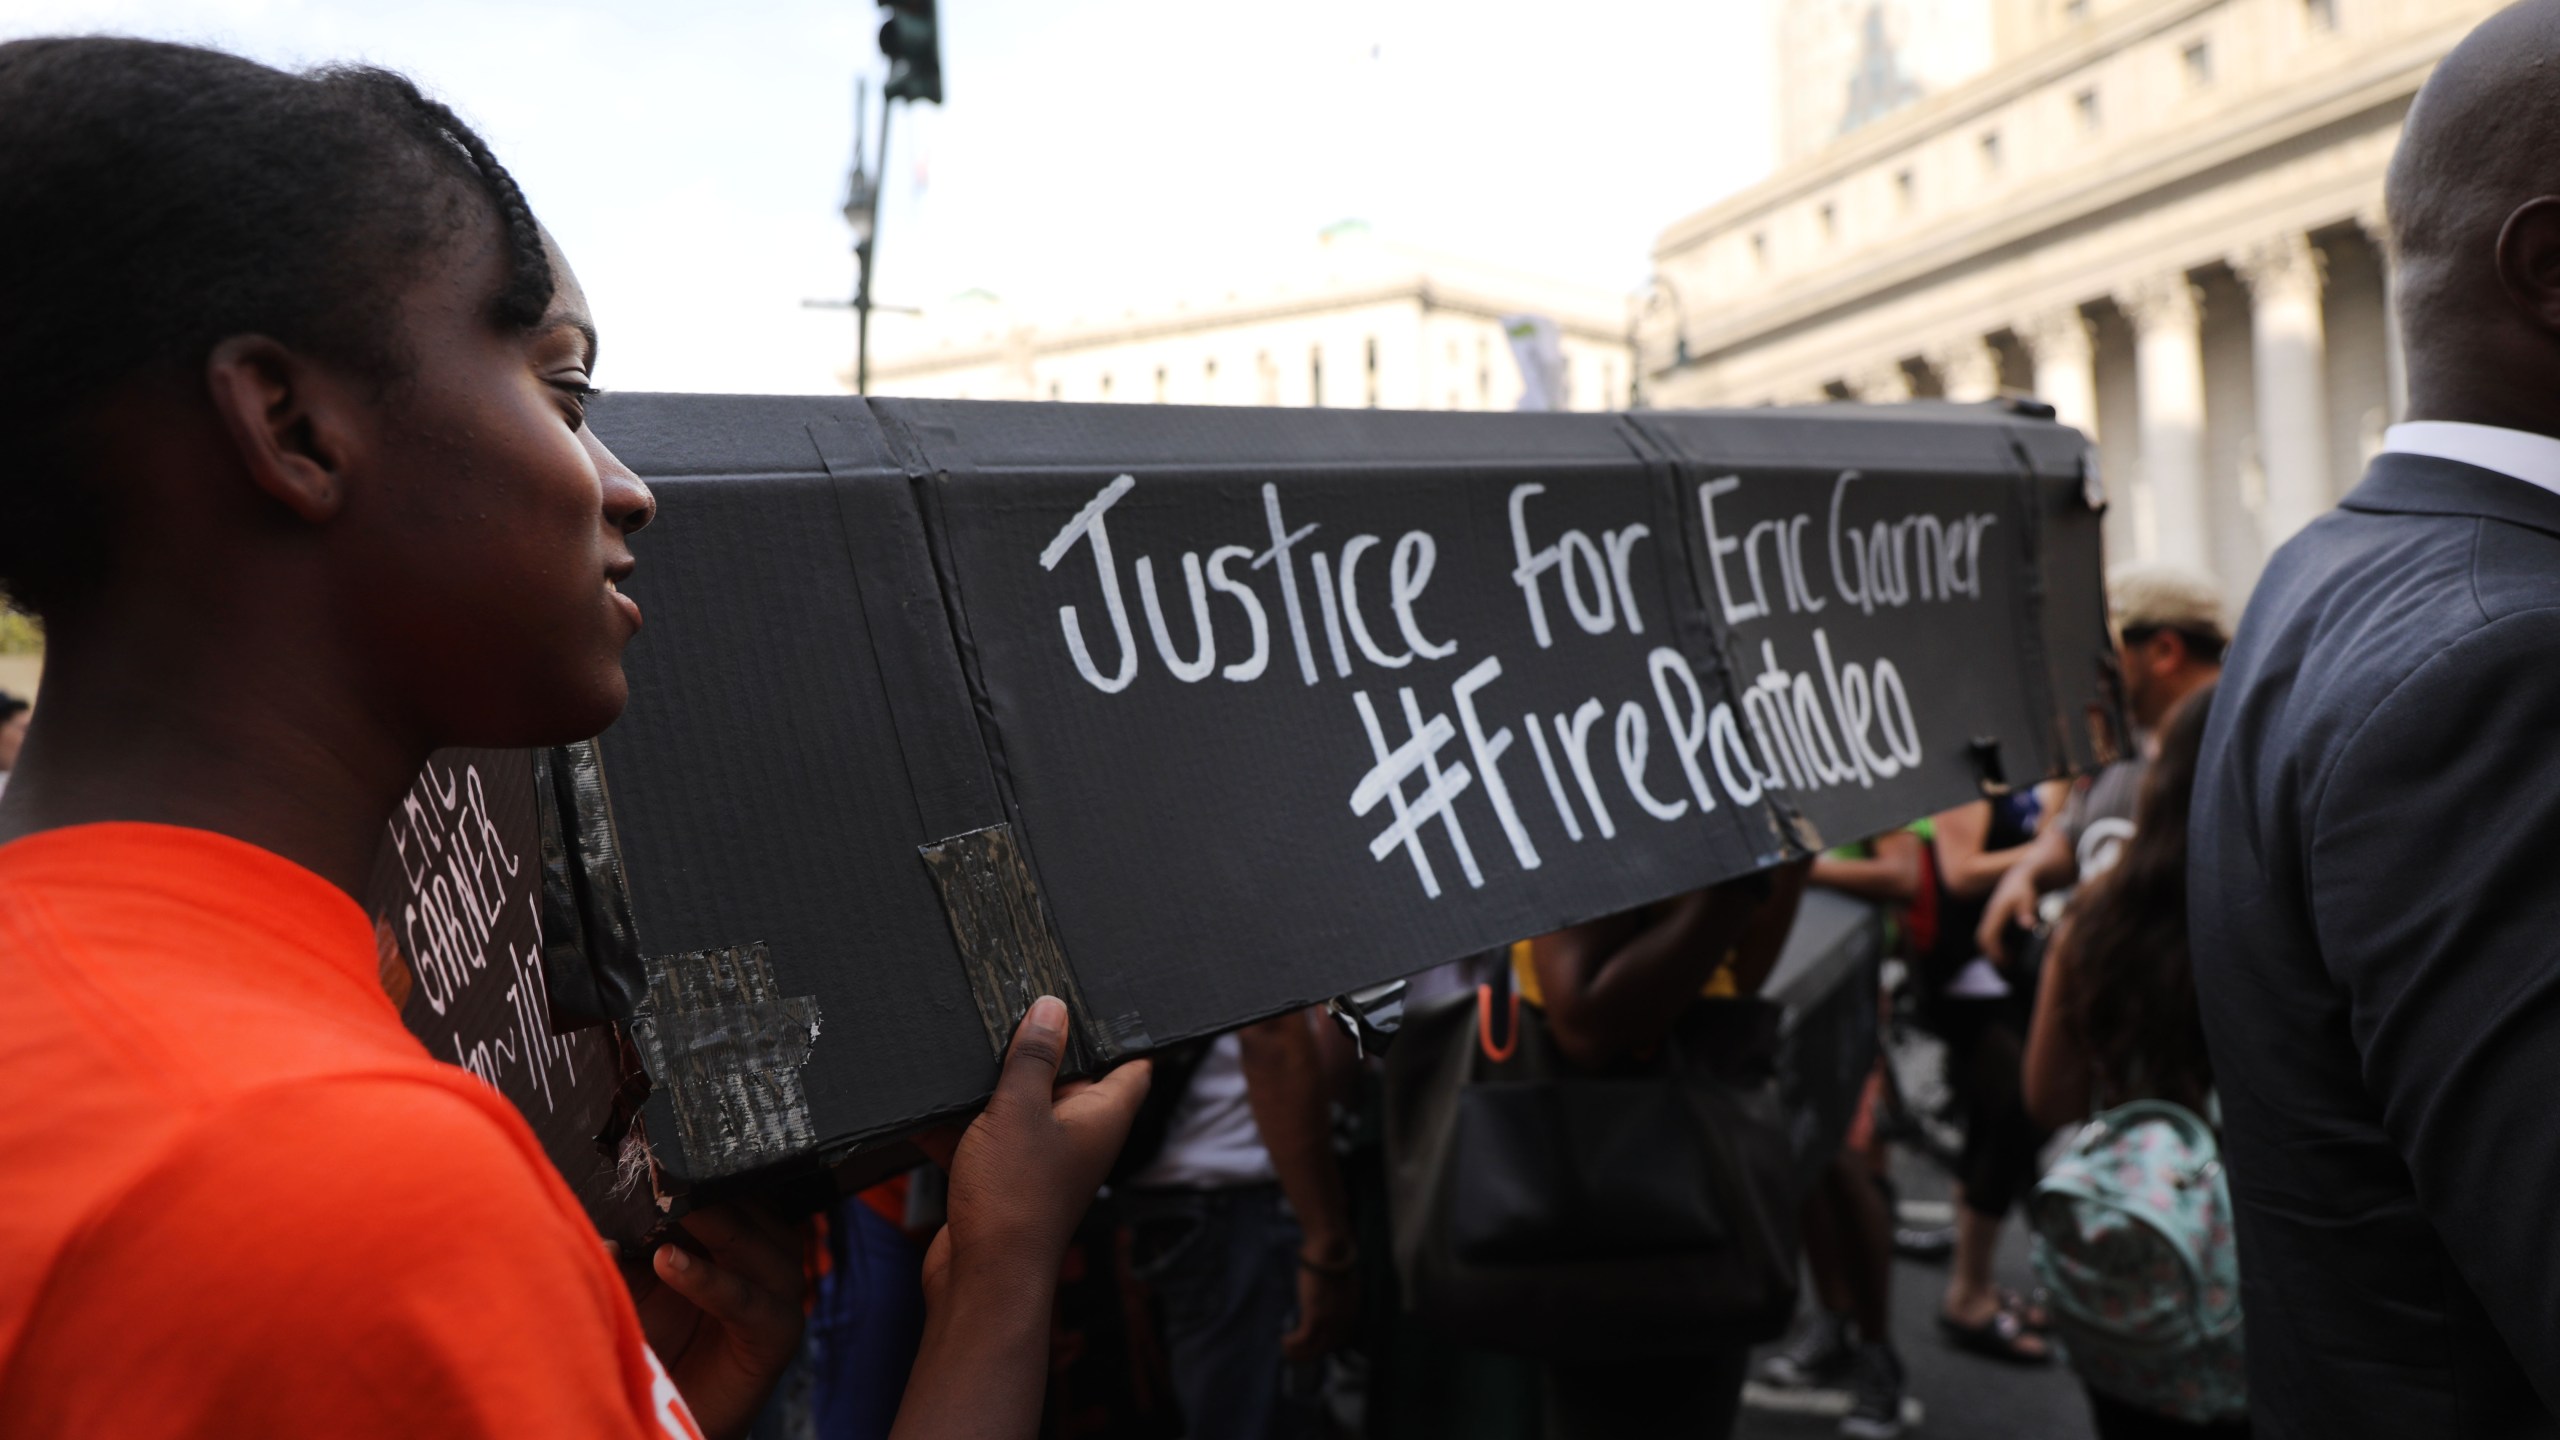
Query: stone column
x=2066, y=361
x=1881, y=384
x=1968, y=370
x=2290, y=346
x=2395, y=361
x=2168, y=357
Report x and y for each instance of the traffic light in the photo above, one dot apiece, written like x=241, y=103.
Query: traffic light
x=910, y=40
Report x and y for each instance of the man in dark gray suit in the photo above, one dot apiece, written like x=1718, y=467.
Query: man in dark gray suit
x=2375, y=866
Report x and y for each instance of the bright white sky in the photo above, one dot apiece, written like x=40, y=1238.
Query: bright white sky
x=691, y=157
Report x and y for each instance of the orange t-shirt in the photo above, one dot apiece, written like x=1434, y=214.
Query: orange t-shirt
x=239, y=1199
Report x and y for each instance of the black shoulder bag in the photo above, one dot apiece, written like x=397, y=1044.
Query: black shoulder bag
x=1569, y=1215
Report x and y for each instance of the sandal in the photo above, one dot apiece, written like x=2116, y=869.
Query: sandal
x=2029, y=1313
x=2004, y=1337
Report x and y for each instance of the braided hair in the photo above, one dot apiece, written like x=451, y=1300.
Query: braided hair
x=157, y=198
x=526, y=292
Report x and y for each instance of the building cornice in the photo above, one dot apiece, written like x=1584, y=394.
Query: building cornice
x=1964, y=106
x=2386, y=81
x=1429, y=295
x=1934, y=115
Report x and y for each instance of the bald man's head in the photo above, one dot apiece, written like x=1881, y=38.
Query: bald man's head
x=2476, y=260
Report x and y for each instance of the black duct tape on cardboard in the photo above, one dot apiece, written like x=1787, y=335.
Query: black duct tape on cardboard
x=726, y=1049
x=590, y=951
x=1010, y=950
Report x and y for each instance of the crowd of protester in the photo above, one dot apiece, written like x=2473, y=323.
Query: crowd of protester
x=2253, y=1020
x=1986, y=900
x=2039, y=943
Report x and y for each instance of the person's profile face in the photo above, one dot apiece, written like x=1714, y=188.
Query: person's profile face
x=2148, y=665
x=2129, y=668
x=487, y=534
x=13, y=733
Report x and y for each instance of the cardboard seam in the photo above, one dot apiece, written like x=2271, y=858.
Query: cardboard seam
x=1125, y=1034
x=924, y=476
x=871, y=632
x=1699, y=625
x=2035, y=670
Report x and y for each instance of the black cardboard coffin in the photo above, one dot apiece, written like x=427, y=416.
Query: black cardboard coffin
x=924, y=720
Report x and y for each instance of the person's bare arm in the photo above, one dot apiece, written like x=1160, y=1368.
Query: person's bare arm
x=1339, y=1055
x=1285, y=1085
x=2056, y=1074
x=1891, y=876
x=1765, y=935
x=1020, y=1180
x=2043, y=865
x=1964, y=866
x=1613, y=986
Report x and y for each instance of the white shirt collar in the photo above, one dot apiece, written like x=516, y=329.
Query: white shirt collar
x=2534, y=459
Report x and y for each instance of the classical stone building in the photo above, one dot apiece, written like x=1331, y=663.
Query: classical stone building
x=2162, y=216
x=1355, y=321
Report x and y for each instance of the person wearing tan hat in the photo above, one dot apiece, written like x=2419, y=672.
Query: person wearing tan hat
x=2169, y=641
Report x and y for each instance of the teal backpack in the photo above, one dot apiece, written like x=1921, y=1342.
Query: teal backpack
x=2132, y=1241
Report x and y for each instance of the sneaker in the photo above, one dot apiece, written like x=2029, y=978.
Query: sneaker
x=1875, y=1383
x=1927, y=1244
x=1819, y=1354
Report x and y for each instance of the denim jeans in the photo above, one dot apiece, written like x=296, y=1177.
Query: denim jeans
x=1223, y=1265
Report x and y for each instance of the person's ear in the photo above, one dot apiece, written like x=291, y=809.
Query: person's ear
x=2529, y=259
x=290, y=421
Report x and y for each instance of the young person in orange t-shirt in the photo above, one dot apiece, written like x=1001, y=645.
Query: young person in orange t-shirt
x=294, y=468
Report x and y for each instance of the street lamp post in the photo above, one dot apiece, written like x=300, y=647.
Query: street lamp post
x=911, y=39
x=862, y=212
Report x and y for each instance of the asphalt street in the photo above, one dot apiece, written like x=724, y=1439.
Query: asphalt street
x=1959, y=1395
